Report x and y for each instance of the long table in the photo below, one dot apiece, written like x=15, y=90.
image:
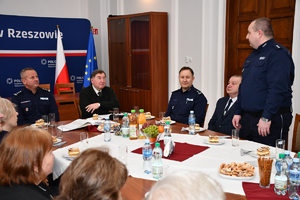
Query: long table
x=138, y=183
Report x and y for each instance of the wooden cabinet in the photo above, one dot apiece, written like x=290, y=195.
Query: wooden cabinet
x=138, y=60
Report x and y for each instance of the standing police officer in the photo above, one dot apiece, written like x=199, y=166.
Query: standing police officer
x=265, y=92
x=187, y=98
x=32, y=101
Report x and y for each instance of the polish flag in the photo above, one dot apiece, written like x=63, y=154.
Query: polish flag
x=61, y=71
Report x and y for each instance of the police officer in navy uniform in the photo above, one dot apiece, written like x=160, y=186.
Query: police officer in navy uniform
x=187, y=98
x=32, y=101
x=265, y=92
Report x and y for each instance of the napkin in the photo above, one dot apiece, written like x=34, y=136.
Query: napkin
x=91, y=128
x=181, y=152
x=254, y=192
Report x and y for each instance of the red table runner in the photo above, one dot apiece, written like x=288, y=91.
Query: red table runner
x=182, y=151
x=92, y=128
x=254, y=192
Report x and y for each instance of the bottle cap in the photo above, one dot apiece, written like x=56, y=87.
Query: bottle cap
x=125, y=114
x=106, y=118
x=299, y=154
x=133, y=111
x=141, y=110
x=286, y=152
x=296, y=160
x=192, y=111
x=147, y=141
x=281, y=155
x=167, y=122
x=157, y=144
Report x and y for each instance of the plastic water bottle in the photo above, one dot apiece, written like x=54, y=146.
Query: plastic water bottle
x=167, y=132
x=294, y=189
x=107, y=127
x=192, y=121
x=157, y=166
x=289, y=161
x=147, y=156
x=125, y=126
x=280, y=177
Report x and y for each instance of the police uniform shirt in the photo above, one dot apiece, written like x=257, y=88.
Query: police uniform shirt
x=32, y=106
x=268, y=74
x=181, y=103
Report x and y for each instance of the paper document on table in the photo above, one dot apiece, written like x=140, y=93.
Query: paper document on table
x=80, y=123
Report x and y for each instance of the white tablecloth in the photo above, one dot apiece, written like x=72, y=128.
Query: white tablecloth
x=207, y=161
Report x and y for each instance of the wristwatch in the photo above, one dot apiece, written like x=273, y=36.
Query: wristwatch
x=265, y=119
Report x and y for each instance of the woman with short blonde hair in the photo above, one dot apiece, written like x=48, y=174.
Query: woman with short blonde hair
x=9, y=118
x=26, y=159
x=94, y=174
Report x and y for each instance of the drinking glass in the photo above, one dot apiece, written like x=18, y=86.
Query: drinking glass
x=280, y=146
x=137, y=111
x=45, y=118
x=123, y=154
x=235, y=135
x=161, y=115
x=59, y=130
x=116, y=114
x=84, y=136
x=51, y=118
x=265, y=168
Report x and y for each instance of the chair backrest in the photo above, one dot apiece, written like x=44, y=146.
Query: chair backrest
x=205, y=115
x=296, y=134
x=65, y=88
x=46, y=86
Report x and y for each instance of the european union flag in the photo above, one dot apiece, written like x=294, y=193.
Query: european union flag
x=91, y=61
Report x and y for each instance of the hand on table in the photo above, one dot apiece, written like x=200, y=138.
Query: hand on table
x=92, y=107
x=263, y=128
x=236, y=121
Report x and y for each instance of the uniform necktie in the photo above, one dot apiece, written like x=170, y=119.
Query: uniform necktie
x=228, y=106
x=100, y=94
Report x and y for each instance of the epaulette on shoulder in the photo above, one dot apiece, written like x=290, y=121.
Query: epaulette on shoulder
x=17, y=93
x=199, y=92
x=176, y=90
x=277, y=46
x=45, y=89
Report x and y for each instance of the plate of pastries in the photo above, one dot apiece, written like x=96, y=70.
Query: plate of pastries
x=237, y=171
x=72, y=153
x=165, y=119
x=213, y=140
x=262, y=152
x=55, y=140
x=113, y=126
x=148, y=115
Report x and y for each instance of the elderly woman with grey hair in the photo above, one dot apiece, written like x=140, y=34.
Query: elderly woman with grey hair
x=8, y=117
x=190, y=185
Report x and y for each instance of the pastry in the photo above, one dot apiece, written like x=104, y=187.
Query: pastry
x=54, y=139
x=73, y=152
x=95, y=116
x=148, y=115
x=39, y=122
x=197, y=127
x=237, y=169
x=164, y=119
x=213, y=139
x=263, y=151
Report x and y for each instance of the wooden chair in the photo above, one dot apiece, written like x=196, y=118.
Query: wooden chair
x=296, y=134
x=65, y=88
x=46, y=86
x=205, y=115
x=68, y=110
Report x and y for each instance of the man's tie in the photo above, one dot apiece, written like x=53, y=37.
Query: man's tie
x=100, y=94
x=227, y=107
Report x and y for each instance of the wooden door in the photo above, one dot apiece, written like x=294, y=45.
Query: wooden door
x=239, y=14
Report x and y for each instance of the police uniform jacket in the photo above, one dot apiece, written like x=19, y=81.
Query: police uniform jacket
x=107, y=101
x=268, y=74
x=181, y=103
x=32, y=106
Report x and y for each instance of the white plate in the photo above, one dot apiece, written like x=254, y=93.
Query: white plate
x=152, y=117
x=39, y=126
x=58, y=140
x=221, y=141
x=236, y=177
x=68, y=157
x=254, y=154
x=172, y=122
x=101, y=130
x=187, y=129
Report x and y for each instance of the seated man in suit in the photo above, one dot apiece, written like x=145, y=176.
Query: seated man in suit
x=97, y=98
x=187, y=98
x=221, y=120
x=32, y=101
